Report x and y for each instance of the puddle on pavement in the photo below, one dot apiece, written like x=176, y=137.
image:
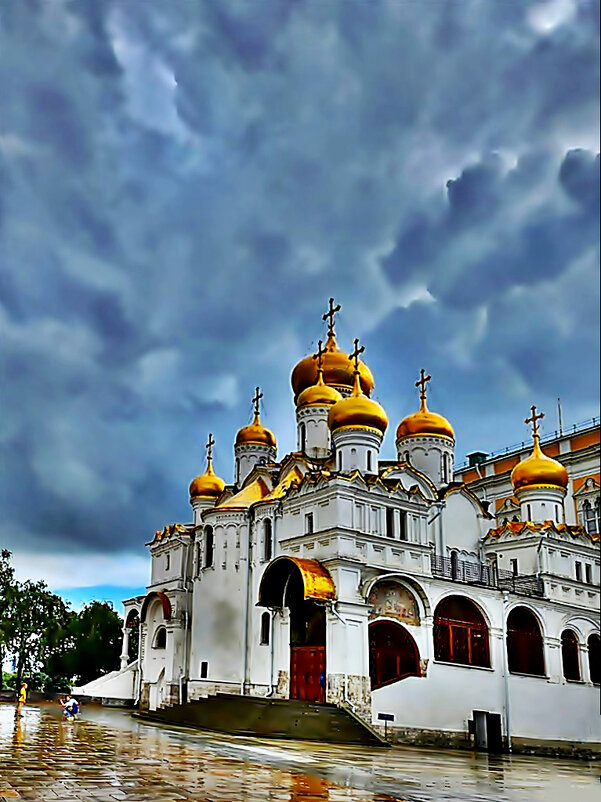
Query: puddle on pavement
x=107, y=755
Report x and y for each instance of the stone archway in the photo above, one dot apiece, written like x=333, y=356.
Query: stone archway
x=302, y=586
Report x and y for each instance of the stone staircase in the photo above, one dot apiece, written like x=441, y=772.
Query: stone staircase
x=271, y=718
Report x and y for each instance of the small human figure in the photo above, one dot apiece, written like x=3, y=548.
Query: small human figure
x=21, y=700
x=70, y=707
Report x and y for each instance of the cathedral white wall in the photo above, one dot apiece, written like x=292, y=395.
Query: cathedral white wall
x=218, y=604
x=446, y=699
x=430, y=454
x=461, y=526
x=313, y=434
x=357, y=450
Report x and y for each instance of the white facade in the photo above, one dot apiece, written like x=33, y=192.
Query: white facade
x=354, y=571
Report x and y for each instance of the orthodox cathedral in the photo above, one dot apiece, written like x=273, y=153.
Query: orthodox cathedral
x=391, y=588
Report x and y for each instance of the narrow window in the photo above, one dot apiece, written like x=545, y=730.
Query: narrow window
x=303, y=437
x=597, y=516
x=160, y=638
x=369, y=462
x=406, y=456
x=389, y=522
x=558, y=511
x=265, y=628
x=209, y=548
x=360, y=509
x=403, y=525
x=578, y=567
x=594, y=666
x=204, y=669
x=198, y=558
x=309, y=523
x=529, y=510
x=588, y=573
x=588, y=517
x=514, y=567
x=167, y=561
x=569, y=655
x=454, y=565
x=267, y=540
x=340, y=460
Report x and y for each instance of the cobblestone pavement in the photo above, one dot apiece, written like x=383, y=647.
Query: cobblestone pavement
x=108, y=756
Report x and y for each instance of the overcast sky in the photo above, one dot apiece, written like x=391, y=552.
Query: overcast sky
x=183, y=185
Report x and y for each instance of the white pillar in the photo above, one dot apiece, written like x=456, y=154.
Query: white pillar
x=125, y=648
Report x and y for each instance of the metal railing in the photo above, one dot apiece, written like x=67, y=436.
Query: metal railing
x=489, y=576
x=545, y=438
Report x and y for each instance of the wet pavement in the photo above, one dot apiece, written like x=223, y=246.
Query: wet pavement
x=108, y=756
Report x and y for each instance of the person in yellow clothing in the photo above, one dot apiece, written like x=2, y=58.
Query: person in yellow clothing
x=21, y=701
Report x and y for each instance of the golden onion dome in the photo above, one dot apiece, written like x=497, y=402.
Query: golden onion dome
x=320, y=394
x=357, y=411
x=425, y=422
x=207, y=485
x=255, y=432
x=338, y=371
x=539, y=469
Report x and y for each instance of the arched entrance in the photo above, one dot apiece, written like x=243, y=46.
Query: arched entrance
x=393, y=654
x=460, y=633
x=303, y=586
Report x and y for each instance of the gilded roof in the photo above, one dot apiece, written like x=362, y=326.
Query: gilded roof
x=524, y=527
x=249, y=495
x=317, y=581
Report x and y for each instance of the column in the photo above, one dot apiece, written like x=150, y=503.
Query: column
x=125, y=648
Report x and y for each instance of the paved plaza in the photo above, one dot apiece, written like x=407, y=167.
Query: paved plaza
x=108, y=756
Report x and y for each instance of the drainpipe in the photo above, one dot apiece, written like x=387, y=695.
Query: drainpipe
x=506, y=672
x=345, y=695
x=246, y=604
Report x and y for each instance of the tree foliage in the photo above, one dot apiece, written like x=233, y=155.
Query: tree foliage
x=48, y=642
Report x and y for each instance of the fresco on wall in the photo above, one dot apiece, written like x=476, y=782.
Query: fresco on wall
x=393, y=601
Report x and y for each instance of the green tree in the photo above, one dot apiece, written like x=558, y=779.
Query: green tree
x=96, y=635
x=37, y=627
x=7, y=590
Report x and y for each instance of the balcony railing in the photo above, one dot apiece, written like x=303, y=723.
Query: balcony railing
x=488, y=576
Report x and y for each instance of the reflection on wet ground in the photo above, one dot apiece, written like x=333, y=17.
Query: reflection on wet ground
x=108, y=756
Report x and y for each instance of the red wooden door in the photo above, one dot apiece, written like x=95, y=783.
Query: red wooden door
x=307, y=673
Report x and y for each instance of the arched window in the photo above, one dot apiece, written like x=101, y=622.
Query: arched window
x=302, y=431
x=265, y=628
x=460, y=633
x=209, y=547
x=446, y=462
x=160, y=638
x=393, y=654
x=525, y=652
x=594, y=664
x=454, y=565
x=237, y=471
x=569, y=655
x=267, y=540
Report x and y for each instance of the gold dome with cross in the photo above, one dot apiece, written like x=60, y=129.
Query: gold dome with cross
x=338, y=369
x=538, y=469
x=357, y=410
x=208, y=484
x=255, y=432
x=424, y=421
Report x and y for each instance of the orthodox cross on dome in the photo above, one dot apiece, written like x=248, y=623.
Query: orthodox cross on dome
x=209, y=448
x=356, y=354
x=534, y=421
x=256, y=400
x=422, y=383
x=330, y=316
x=318, y=357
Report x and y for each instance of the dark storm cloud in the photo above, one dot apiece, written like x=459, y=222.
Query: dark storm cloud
x=182, y=187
